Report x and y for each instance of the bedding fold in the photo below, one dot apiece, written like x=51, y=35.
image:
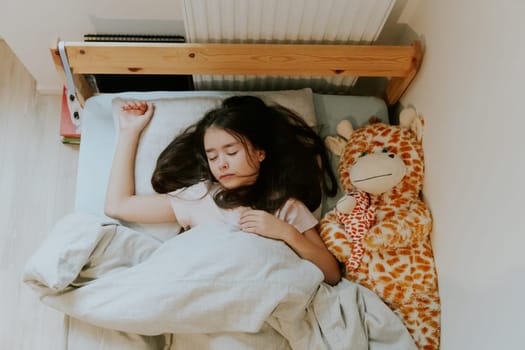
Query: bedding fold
x=209, y=280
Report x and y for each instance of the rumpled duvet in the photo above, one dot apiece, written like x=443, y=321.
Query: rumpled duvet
x=210, y=282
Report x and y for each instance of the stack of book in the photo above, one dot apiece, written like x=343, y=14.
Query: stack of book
x=69, y=132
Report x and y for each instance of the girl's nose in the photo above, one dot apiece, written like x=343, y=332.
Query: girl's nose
x=223, y=163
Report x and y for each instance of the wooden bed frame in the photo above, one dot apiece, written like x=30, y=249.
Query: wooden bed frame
x=400, y=63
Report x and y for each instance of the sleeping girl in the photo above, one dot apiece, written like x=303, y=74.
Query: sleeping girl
x=259, y=168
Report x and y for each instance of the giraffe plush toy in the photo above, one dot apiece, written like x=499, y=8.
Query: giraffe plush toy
x=395, y=257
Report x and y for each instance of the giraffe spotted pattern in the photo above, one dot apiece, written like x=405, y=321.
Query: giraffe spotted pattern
x=395, y=259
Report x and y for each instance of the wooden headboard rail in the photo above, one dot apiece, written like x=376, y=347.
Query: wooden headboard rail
x=400, y=63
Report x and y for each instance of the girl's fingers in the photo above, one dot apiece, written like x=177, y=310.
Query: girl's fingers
x=247, y=218
x=130, y=105
x=141, y=106
x=252, y=212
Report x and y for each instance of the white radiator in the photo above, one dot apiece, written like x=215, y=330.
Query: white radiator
x=282, y=21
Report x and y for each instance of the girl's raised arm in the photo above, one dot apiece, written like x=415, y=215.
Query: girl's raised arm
x=121, y=201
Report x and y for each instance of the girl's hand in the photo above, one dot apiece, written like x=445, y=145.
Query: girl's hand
x=135, y=115
x=307, y=245
x=264, y=224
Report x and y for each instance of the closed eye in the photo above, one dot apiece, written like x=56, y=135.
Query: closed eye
x=211, y=155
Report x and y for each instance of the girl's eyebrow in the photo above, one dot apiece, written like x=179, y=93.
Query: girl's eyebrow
x=231, y=144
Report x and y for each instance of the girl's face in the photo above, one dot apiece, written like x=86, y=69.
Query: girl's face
x=232, y=162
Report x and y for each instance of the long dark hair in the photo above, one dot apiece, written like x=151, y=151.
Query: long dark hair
x=296, y=163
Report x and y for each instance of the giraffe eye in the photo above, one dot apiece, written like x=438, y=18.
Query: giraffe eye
x=362, y=154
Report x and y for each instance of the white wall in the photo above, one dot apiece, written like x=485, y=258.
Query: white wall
x=470, y=91
x=31, y=27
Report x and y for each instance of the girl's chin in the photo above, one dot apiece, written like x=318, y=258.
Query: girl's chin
x=226, y=186
x=231, y=183
x=228, y=183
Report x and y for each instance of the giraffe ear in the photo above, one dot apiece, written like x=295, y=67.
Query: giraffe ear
x=409, y=119
x=407, y=116
x=344, y=128
x=335, y=144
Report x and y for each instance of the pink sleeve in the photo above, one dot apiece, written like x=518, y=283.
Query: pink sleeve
x=297, y=214
x=181, y=209
x=186, y=202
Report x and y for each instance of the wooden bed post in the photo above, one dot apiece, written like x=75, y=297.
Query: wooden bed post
x=397, y=85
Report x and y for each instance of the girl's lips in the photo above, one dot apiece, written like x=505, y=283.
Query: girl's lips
x=226, y=176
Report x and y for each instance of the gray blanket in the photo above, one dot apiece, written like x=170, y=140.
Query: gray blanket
x=211, y=280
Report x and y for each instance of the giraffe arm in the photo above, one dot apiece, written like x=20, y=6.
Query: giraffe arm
x=332, y=233
x=405, y=228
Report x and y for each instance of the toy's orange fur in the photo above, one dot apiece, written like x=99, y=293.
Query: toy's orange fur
x=398, y=262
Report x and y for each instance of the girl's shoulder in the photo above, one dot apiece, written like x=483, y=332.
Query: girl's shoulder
x=294, y=207
x=293, y=203
x=296, y=213
x=197, y=191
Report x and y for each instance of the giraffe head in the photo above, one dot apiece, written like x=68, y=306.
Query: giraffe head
x=384, y=160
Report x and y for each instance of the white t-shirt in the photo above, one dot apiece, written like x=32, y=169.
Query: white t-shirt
x=194, y=205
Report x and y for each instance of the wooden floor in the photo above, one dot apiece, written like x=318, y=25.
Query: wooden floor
x=37, y=179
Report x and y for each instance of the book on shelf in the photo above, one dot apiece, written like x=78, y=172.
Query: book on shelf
x=69, y=132
x=71, y=140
